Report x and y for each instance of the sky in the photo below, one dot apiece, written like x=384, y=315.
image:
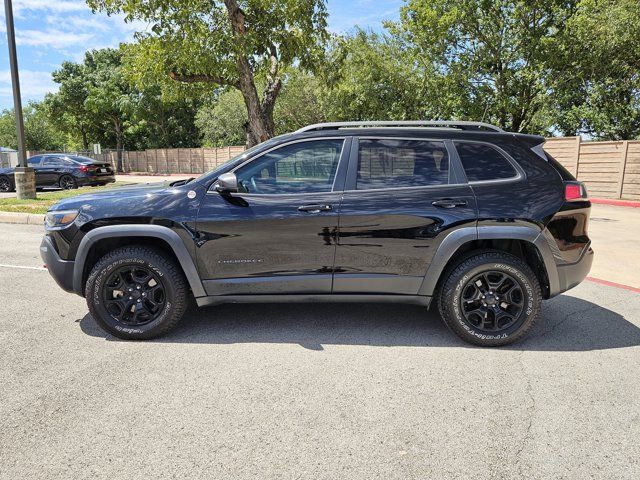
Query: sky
x=49, y=32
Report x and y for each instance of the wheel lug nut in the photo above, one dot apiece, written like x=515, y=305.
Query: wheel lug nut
x=138, y=287
x=130, y=298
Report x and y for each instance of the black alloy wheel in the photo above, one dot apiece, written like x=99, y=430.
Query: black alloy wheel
x=136, y=292
x=134, y=295
x=492, y=301
x=490, y=298
x=5, y=184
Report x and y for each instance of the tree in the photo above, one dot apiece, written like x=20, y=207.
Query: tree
x=110, y=101
x=67, y=107
x=39, y=132
x=597, y=91
x=374, y=77
x=491, y=60
x=163, y=122
x=227, y=43
x=302, y=101
x=222, y=122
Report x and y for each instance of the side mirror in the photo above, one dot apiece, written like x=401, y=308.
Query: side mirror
x=227, y=183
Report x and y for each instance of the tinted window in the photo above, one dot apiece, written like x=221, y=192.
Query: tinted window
x=34, y=161
x=51, y=161
x=387, y=163
x=303, y=167
x=482, y=162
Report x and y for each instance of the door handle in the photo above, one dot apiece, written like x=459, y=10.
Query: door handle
x=315, y=208
x=449, y=203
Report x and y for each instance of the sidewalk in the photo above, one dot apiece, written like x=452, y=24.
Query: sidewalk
x=142, y=178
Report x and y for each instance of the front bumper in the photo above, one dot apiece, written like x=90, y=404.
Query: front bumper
x=60, y=270
x=572, y=274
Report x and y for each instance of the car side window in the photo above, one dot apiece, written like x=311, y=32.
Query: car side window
x=395, y=163
x=51, y=161
x=34, y=161
x=482, y=162
x=302, y=167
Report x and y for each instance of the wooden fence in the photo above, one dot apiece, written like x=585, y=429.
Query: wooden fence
x=176, y=160
x=609, y=169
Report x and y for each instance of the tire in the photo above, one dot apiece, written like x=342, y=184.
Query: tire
x=67, y=182
x=105, y=301
x=495, y=319
x=5, y=184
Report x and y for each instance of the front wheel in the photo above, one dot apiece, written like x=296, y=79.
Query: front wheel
x=490, y=299
x=136, y=293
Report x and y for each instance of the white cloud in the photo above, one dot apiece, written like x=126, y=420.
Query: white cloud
x=50, y=5
x=33, y=83
x=79, y=22
x=53, y=38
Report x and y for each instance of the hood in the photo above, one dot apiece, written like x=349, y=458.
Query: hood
x=117, y=195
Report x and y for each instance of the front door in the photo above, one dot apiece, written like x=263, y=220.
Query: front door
x=401, y=198
x=277, y=234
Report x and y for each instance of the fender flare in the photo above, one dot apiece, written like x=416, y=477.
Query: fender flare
x=156, y=231
x=454, y=240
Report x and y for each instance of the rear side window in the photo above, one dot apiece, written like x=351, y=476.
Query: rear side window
x=483, y=162
x=391, y=163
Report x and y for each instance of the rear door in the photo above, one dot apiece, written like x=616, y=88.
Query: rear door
x=51, y=169
x=277, y=235
x=402, y=196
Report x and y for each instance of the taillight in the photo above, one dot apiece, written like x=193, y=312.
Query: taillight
x=84, y=168
x=574, y=191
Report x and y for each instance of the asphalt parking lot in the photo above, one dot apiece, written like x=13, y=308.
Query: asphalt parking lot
x=308, y=391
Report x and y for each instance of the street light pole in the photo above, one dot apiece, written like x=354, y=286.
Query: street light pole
x=24, y=175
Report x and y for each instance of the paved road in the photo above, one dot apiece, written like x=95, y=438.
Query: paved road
x=331, y=392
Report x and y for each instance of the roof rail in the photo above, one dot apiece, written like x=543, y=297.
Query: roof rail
x=462, y=125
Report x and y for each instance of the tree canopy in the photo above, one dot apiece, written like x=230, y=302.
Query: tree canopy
x=227, y=43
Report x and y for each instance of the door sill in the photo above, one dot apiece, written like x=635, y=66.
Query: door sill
x=314, y=298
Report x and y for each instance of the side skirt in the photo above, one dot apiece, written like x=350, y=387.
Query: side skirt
x=304, y=298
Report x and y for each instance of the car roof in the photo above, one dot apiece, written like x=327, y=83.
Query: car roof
x=416, y=132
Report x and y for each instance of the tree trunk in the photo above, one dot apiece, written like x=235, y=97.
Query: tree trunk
x=260, y=126
x=85, y=141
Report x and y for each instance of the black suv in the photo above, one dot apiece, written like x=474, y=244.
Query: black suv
x=481, y=220
x=63, y=171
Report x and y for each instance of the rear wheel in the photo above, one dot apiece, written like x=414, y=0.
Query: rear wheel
x=490, y=299
x=67, y=182
x=136, y=293
x=5, y=184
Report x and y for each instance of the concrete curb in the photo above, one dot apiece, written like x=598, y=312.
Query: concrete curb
x=24, y=218
x=617, y=203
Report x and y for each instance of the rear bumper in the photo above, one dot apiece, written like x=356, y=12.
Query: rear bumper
x=572, y=274
x=95, y=180
x=60, y=270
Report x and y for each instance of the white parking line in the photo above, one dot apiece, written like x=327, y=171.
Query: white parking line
x=22, y=266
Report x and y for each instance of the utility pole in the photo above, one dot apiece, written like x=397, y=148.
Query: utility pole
x=24, y=175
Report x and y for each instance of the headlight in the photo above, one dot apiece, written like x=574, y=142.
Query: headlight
x=60, y=219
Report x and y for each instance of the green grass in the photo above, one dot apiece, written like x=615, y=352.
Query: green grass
x=47, y=198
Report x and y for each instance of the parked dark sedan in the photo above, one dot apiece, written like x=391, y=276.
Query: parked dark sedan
x=63, y=171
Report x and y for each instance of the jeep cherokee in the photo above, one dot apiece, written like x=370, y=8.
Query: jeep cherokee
x=481, y=220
